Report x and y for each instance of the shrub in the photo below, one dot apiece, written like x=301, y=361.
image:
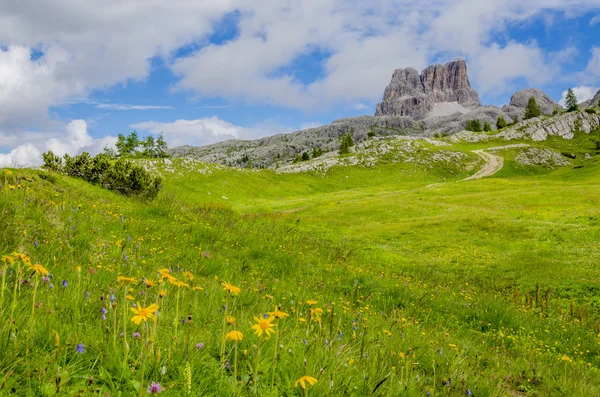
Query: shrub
x=316, y=152
x=305, y=156
x=346, y=143
x=371, y=134
x=473, y=125
x=487, y=127
x=590, y=111
x=532, y=110
x=500, y=122
x=122, y=176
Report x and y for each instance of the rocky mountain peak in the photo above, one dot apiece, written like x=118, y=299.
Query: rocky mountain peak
x=412, y=94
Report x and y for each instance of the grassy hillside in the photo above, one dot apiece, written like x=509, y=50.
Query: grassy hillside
x=398, y=279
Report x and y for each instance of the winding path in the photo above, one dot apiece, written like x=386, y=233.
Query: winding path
x=492, y=165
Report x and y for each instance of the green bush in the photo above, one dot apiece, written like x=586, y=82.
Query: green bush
x=532, y=110
x=487, y=127
x=316, y=152
x=346, y=143
x=122, y=176
x=305, y=156
x=500, y=122
x=474, y=125
x=590, y=111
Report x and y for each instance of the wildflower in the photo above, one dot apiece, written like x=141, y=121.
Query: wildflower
x=80, y=348
x=39, y=269
x=136, y=335
x=189, y=276
x=162, y=293
x=263, y=326
x=566, y=358
x=234, y=336
x=311, y=302
x=104, y=311
x=304, y=380
x=180, y=284
x=154, y=388
x=387, y=333
x=112, y=297
x=230, y=320
x=315, y=314
x=278, y=314
x=149, y=283
x=163, y=370
x=129, y=297
x=8, y=259
x=199, y=345
x=164, y=272
x=126, y=280
x=229, y=288
x=469, y=392
x=65, y=283
x=143, y=313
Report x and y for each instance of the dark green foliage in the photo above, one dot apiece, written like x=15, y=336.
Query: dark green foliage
x=52, y=162
x=132, y=146
x=317, y=152
x=371, y=134
x=571, y=101
x=555, y=111
x=474, y=125
x=500, y=122
x=305, y=156
x=487, y=127
x=532, y=110
x=298, y=158
x=590, y=111
x=122, y=176
x=346, y=143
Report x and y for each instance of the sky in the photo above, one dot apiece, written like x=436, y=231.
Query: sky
x=74, y=74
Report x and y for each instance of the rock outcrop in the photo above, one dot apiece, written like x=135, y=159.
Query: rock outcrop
x=414, y=95
x=591, y=103
x=518, y=103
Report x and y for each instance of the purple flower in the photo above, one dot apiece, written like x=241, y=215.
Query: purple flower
x=199, y=345
x=469, y=393
x=65, y=283
x=136, y=335
x=154, y=388
x=35, y=243
x=45, y=279
x=112, y=297
x=80, y=349
x=265, y=316
x=87, y=295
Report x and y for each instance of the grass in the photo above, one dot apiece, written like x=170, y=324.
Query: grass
x=423, y=284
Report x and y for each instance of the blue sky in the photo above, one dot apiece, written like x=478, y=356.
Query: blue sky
x=73, y=77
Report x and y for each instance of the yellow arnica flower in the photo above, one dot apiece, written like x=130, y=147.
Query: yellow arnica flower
x=142, y=313
x=39, y=269
x=304, y=380
x=129, y=297
x=566, y=358
x=149, y=283
x=230, y=320
x=172, y=280
x=233, y=290
x=197, y=288
x=126, y=280
x=180, y=284
x=312, y=302
x=189, y=276
x=162, y=293
x=278, y=314
x=263, y=326
x=234, y=336
x=164, y=272
x=20, y=256
x=315, y=314
x=8, y=259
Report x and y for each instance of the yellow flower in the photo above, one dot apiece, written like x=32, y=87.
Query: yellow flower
x=230, y=320
x=233, y=290
x=401, y=355
x=197, y=288
x=387, y=333
x=7, y=172
x=129, y=297
x=24, y=258
x=263, y=326
x=144, y=313
x=180, y=284
x=315, y=314
x=189, y=276
x=162, y=293
x=566, y=358
x=312, y=302
x=234, y=335
x=278, y=314
x=304, y=380
x=8, y=259
x=149, y=283
x=39, y=269
x=164, y=273
x=126, y=280
x=172, y=280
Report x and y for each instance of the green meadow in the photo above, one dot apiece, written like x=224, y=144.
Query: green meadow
x=390, y=280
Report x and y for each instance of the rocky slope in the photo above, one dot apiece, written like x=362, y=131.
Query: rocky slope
x=437, y=102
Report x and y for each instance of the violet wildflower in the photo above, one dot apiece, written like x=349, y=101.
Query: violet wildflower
x=136, y=335
x=154, y=388
x=65, y=283
x=80, y=348
x=199, y=345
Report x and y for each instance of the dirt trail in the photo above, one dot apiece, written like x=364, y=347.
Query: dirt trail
x=492, y=165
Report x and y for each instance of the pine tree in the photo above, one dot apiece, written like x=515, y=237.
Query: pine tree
x=486, y=126
x=571, y=101
x=473, y=125
x=161, y=147
x=532, y=110
x=500, y=122
x=305, y=156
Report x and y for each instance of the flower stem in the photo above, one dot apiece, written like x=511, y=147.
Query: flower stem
x=235, y=354
x=224, y=329
x=125, y=344
x=275, y=355
x=257, y=360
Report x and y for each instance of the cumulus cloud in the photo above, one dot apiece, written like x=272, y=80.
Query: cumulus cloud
x=595, y=20
x=583, y=93
x=74, y=140
x=593, y=68
x=207, y=130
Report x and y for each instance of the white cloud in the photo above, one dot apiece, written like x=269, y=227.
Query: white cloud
x=593, y=68
x=206, y=131
x=117, y=106
x=595, y=20
x=74, y=140
x=583, y=93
